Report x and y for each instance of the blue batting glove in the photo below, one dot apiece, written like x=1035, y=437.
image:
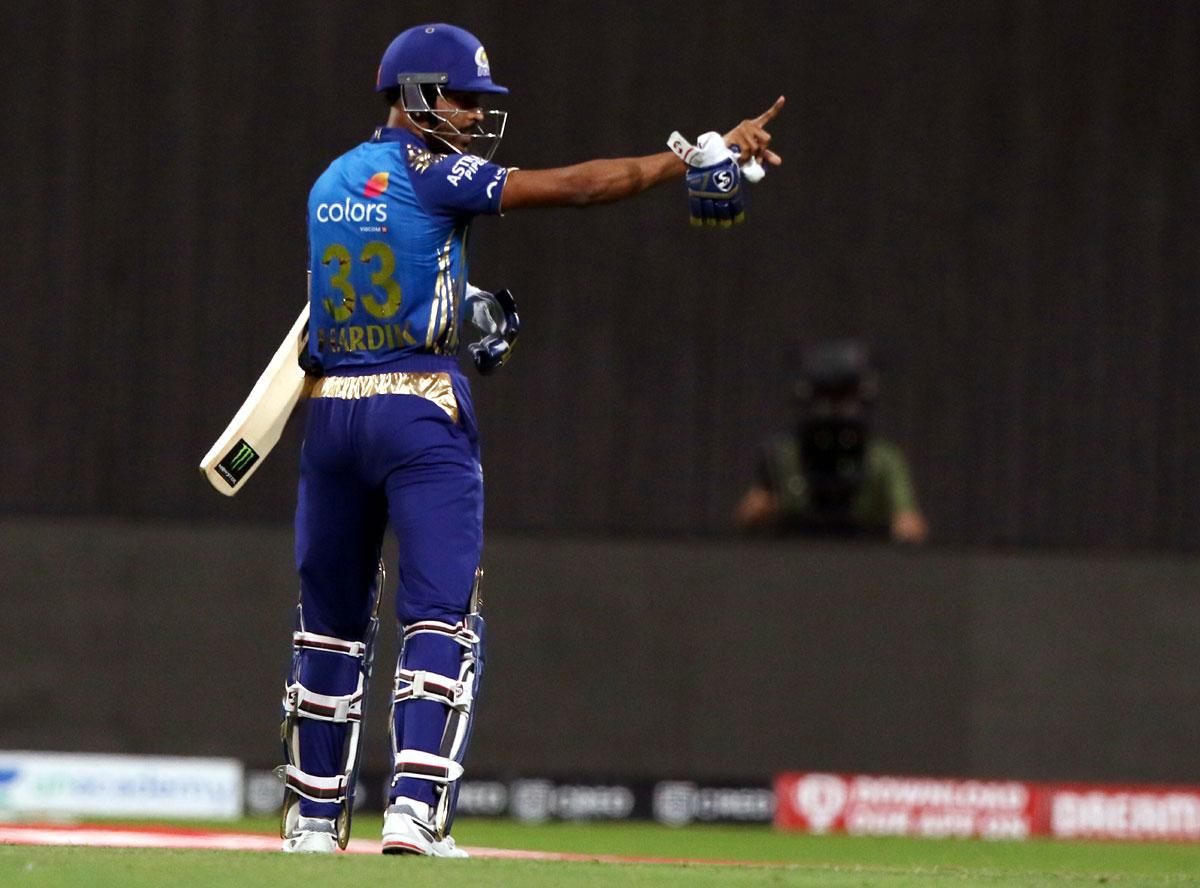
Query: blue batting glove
x=713, y=179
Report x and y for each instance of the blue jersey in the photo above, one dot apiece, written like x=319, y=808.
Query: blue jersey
x=387, y=229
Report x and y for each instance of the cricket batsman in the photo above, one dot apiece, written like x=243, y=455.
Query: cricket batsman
x=391, y=438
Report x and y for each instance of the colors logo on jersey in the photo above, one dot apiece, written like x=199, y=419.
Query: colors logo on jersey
x=352, y=211
x=482, y=68
x=357, y=211
x=376, y=185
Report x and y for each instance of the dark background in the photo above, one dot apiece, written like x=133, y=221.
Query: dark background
x=1003, y=196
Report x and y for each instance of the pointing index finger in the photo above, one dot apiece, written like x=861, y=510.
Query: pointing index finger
x=771, y=112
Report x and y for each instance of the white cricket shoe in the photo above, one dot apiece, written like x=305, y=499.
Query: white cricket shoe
x=312, y=835
x=406, y=831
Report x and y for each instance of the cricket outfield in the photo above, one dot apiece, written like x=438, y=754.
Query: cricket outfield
x=622, y=854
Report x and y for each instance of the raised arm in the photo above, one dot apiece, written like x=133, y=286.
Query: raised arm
x=593, y=182
x=605, y=181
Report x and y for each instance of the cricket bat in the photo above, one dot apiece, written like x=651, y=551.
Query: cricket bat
x=257, y=426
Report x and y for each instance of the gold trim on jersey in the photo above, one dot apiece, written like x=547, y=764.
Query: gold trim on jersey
x=443, y=293
x=420, y=159
x=442, y=335
x=435, y=387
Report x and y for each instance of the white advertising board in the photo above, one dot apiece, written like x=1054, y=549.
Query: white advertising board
x=104, y=785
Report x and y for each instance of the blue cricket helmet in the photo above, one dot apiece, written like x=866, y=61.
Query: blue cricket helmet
x=438, y=53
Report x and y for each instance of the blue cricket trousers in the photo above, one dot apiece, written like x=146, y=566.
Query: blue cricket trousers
x=394, y=447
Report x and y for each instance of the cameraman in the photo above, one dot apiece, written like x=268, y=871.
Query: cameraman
x=831, y=475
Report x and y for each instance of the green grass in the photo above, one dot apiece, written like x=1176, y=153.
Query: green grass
x=796, y=860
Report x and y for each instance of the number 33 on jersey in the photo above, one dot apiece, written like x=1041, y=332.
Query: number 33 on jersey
x=388, y=226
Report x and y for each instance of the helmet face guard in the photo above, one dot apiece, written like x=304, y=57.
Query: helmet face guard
x=485, y=135
x=435, y=59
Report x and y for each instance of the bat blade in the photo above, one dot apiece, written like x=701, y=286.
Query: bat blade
x=257, y=426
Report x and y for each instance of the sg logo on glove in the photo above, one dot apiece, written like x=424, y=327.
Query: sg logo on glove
x=713, y=179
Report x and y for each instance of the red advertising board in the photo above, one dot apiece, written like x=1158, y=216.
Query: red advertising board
x=1135, y=813
x=861, y=804
x=865, y=805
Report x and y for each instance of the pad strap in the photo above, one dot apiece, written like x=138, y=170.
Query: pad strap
x=324, y=707
x=311, y=641
x=339, y=708
x=427, y=766
x=458, y=632
x=318, y=789
x=420, y=685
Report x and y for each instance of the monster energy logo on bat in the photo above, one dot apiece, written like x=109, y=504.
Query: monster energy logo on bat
x=237, y=462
